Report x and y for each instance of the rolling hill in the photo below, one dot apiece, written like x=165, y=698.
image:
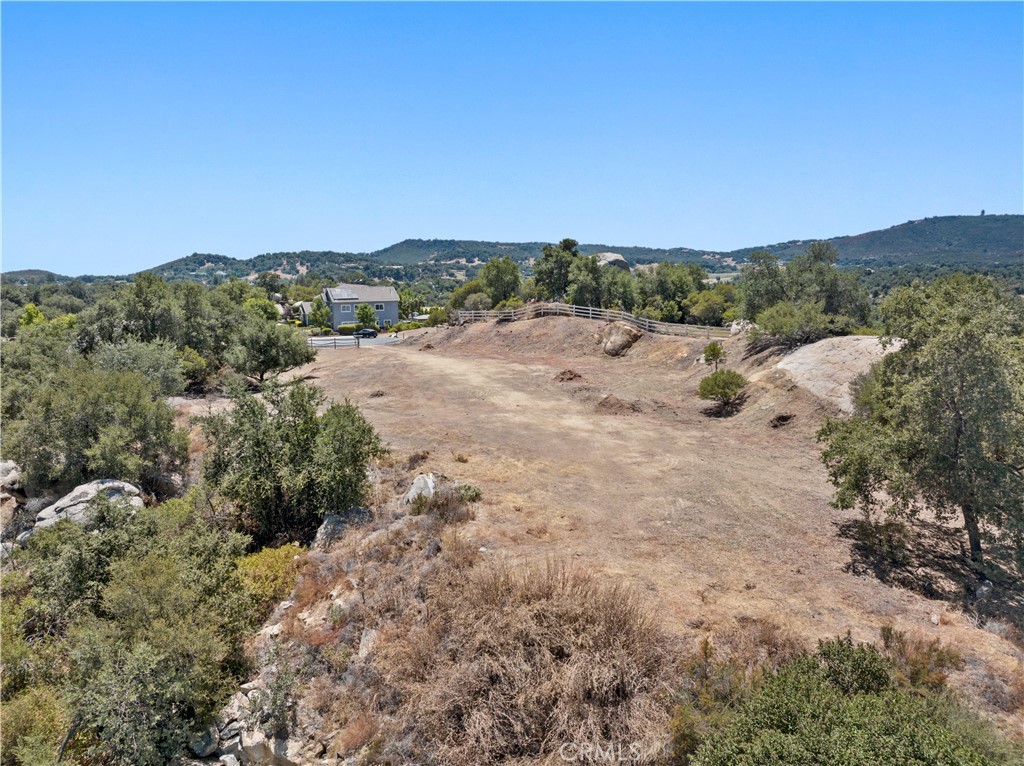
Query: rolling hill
x=949, y=240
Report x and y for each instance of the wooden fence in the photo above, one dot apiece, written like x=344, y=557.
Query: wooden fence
x=534, y=310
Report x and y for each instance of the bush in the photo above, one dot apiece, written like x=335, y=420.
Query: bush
x=270, y=574
x=95, y=424
x=33, y=725
x=263, y=347
x=724, y=387
x=403, y=326
x=437, y=316
x=347, y=329
x=790, y=325
x=840, y=705
x=477, y=302
x=283, y=465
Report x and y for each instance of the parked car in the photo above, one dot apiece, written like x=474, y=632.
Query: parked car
x=366, y=332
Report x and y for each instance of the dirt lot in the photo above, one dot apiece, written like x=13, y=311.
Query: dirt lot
x=612, y=463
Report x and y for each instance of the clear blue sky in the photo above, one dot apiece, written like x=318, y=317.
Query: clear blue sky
x=138, y=133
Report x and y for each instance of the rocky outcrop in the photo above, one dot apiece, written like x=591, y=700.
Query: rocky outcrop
x=10, y=476
x=614, y=260
x=618, y=337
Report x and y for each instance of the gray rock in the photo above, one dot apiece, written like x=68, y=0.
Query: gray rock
x=433, y=548
x=366, y=642
x=612, y=259
x=205, y=742
x=232, y=747
x=229, y=760
x=618, y=337
x=10, y=475
x=233, y=729
x=424, y=485
x=329, y=531
x=75, y=504
x=259, y=749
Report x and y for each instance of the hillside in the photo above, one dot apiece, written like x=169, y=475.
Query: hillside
x=950, y=240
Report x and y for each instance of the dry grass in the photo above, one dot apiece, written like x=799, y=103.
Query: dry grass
x=521, y=660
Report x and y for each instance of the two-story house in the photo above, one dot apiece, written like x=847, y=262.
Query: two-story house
x=343, y=299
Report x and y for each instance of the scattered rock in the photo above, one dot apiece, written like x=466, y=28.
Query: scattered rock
x=378, y=394
x=934, y=619
x=740, y=326
x=204, y=743
x=566, y=375
x=781, y=419
x=613, y=405
x=259, y=750
x=229, y=760
x=433, y=548
x=618, y=337
x=366, y=642
x=424, y=485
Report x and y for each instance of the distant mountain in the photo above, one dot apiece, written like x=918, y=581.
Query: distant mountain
x=967, y=239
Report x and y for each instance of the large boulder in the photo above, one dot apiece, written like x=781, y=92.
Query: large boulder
x=614, y=260
x=617, y=337
x=260, y=750
x=205, y=742
x=75, y=504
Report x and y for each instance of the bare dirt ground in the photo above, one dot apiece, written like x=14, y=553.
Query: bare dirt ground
x=611, y=463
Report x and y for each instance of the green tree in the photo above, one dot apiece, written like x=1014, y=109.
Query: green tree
x=939, y=423
x=270, y=283
x=261, y=307
x=365, y=315
x=618, y=290
x=762, y=284
x=158, y=362
x=501, y=278
x=724, y=386
x=284, y=465
x=262, y=348
x=31, y=315
x=552, y=269
x=409, y=304
x=714, y=354
x=584, y=282
x=320, y=316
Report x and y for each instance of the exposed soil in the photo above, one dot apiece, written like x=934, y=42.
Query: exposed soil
x=718, y=519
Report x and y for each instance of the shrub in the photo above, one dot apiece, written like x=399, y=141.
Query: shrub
x=724, y=387
x=403, y=326
x=841, y=706
x=547, y=657
x=919, y=662
x=33, y=724
x=95, y=424
x=791, y=324
x=477, y=302
x=347, y=329
x=270, y=574
x=263, y=347
x=284, y=465
x=436, y=316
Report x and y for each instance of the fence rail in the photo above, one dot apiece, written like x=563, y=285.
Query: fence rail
x=336, y=341
x=534, y=310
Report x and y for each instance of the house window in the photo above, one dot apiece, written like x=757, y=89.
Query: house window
x=378, y=306
x=346, y=309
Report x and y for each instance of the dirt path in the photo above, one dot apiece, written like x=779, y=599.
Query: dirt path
x=713, y=518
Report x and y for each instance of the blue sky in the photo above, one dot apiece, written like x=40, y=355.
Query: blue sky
x=137, y=133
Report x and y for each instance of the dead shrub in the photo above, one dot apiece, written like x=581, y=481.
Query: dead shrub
x=919, y=662
x=519, y=661
x=416, y=459
x=356, y=733
x=450, y=503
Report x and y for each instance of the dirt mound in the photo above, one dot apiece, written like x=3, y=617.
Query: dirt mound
x=566, y=375
x=613, y=405
x=427, y=347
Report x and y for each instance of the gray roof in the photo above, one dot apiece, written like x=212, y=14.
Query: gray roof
x=360, y=293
